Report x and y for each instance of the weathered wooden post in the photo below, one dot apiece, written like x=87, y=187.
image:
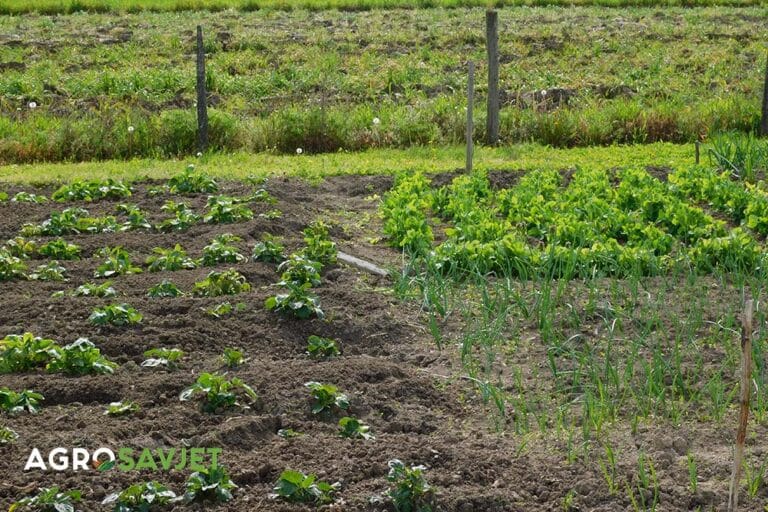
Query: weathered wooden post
x=202, y=95
x=746, y=381
x=764, y=120
x=492, y=43
x=470, y=123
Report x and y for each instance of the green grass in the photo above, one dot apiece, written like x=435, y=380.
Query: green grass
x=280, y=80
x=381, y=161
x=71, y=6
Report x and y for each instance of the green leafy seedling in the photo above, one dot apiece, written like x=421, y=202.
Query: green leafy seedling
x=165, y=288
x=59, y=250
x=211, y=484
x=7, y=435
x=48, y=500
x=117, y=263
x=118, y=315
x=229, y=282
x=104, y=290
x=353, y=429
x=322, y=348
x=269, y=249
x=170, y=259
x=21, y=353
x=121, y=408
x=14, y=402
x=326, y=397
x=80, y=358
x=168, y=357
x=296, y=487
x=409, y=491
x=218, y=393
x=143, y=497
x=232, y=358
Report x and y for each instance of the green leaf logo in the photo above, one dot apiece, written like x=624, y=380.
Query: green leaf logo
x=106, y=465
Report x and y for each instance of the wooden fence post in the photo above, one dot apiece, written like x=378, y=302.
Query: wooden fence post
x=470, y=123
x=746, y=387
x=492, y=42
x=202, y=95
x=764, y=120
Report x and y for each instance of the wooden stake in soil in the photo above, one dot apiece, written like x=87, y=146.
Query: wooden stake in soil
x=470, y=123
x=741, y=435
x=492, y=42
x=202, y=95
x=764, y=120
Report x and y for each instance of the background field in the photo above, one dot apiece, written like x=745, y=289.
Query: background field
x=281, y=80
x=70, y=6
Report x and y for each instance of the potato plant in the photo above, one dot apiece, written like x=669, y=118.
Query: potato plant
x=190, y=181
x=170, y=259
x=79, y=358
x=165, y=288
x=297, y=487
x=319, y=247
x=28, y=197
x=121, y=408
x=232, y=358
x=229, y=282
x=117, y=263
x=135, y=217
x=59, y=250
x=21, y=247
x=71, y=221
x=218, y=393
x=297, y=301
x=142, y=497
x=7, y=435
x=50, y=271
x=25, y=352
x=103, y=290
x=11, y=267
x=352, y=428
x=322, y=348
x=269, y=249
x=48, y=500
x=326, y=397
x=209, y=485
x=222, y=250
x=118, y=315
x=183, y=217
x=224, y=309
x=409, y=490
x=167, y=357
x=16, y=402
x=226, y=210
x=92, y=190
x=299, y=270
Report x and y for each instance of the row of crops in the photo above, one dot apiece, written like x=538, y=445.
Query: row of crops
x=619, y=223
x=297, y=273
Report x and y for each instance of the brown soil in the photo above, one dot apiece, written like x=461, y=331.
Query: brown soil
x=399, y=383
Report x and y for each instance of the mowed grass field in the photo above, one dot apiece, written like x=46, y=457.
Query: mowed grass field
x=316, y=80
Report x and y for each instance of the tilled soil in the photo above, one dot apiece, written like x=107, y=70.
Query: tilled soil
x=398, y=382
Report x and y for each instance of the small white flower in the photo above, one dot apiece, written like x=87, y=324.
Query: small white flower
x=376, y=121
x=32, y=104
x=18, y=109
x=543, y=92
x=191, y=167
x=199, y=154
x=299, y=151
x=131, y=129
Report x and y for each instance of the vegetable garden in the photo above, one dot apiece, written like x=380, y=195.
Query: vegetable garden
x=593, y=311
